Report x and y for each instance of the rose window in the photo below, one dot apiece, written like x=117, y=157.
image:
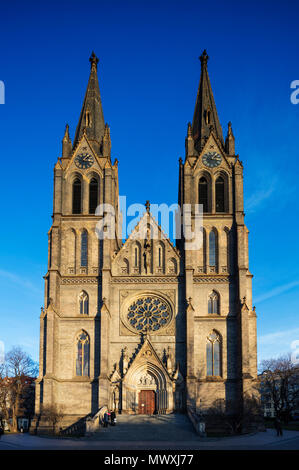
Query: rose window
x=149, y=314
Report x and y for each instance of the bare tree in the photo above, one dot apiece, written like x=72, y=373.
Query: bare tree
x=280, y=380
x=19, y=363
x=18, y=367
x=53, y=415
x=4, y=394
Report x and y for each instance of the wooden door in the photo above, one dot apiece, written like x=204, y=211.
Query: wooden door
x=147, y=402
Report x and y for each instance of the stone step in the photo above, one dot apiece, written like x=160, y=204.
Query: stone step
x=172, y=427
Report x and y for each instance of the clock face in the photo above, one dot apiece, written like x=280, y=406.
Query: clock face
x=211, y=159
x=84, y=160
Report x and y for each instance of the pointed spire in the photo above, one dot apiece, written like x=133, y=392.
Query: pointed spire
x=205, y=117
x=66, y=144
x=230, y=141
x=91, y=118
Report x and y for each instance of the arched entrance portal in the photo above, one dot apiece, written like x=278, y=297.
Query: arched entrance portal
x=147, y=389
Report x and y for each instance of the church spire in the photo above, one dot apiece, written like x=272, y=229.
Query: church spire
x=66, y=144
x=91, y=118
x=205, y=116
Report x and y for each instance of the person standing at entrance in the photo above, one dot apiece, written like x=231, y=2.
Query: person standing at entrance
x=113, y=418
x=278, y=426
x=106, y=419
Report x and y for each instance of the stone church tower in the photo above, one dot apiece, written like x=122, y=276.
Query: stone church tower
x=145, y=326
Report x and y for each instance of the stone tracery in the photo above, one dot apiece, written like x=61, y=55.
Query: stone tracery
x=149, y=313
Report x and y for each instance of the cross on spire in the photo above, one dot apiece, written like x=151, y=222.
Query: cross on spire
x=204, y=58
x=93, y=60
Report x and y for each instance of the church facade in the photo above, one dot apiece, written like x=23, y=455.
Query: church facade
x=145, y=326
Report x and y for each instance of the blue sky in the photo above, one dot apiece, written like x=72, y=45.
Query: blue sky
x=149, y=73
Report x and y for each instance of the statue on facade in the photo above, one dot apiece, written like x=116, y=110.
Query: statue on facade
x=147, y=253
x=169, y=360
x=125, y=359
x=115, y=396
x=146, y=379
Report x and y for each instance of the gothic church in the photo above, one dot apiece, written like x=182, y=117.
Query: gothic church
x=145, y=326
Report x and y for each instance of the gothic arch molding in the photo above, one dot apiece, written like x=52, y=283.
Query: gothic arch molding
x=147, y=375
x=93, y=174
x=224, y=175
x=208, y=177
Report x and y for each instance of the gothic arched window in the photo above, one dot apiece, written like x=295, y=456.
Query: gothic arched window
x=172, y=266
x=220, y=205
x=84, y=248
x=203, y=193
x=213, y=351
x=125, y=269
x=136, y=257
x=83, y=303
x=213, y=303
x=77, y=196
x=82, y=358
x=93, y=195
x=137, y=252
x=161, y=256
x=213, y=248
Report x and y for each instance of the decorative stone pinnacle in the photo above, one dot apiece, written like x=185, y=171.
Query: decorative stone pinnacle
x=204, y=58
x=107, y=130
x=148, y=206
x=66, y=133
x=93, y=60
